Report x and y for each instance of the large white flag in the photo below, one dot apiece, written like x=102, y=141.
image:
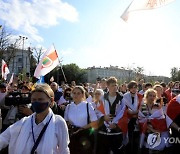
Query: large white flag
x=143, y=5
x=48, y=62
x=4, y=70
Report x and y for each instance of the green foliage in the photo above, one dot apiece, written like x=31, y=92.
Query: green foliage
x=72, y=73
x=175, y=74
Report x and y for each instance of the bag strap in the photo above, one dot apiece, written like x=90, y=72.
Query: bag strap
x=88, y=117
x=40, y=135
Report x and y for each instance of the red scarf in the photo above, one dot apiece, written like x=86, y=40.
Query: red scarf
x=173, y=109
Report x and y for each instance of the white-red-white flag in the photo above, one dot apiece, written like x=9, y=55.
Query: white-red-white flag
x=4, y=70
x=48, y=62
x=11, y=79
x=143, y=5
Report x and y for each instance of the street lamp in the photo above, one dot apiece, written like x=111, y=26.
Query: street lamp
x=23, y=38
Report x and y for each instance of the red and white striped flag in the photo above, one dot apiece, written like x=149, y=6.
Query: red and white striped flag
x=4, y=70
x=48, y=62
x=137, y=5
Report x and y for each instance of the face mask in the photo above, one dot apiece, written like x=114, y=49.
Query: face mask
x=39, y=107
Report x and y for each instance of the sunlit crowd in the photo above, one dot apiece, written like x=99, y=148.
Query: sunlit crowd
x=90, y=118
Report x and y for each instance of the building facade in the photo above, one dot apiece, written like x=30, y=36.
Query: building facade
x=18, y=60
x=121, y=74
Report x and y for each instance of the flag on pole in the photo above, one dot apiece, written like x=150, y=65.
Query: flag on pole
x=136, y=5
x=4, y=70
x=48, y=62
x=11, y=79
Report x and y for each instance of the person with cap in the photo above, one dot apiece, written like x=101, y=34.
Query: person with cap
x=154, y=124
x=42, y=132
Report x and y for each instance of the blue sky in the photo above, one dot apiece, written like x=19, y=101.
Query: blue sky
x=91, y=33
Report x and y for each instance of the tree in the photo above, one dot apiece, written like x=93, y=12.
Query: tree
x=72, y=73
x=139, y=72
x=38, y=52
x=175, y=74
x=5, y=38
x=7, y=44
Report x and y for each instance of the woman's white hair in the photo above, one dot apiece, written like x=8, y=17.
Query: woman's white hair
x=100, y=91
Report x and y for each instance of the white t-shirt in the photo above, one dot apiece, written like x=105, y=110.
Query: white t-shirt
x=77, y=114
x=112, y=99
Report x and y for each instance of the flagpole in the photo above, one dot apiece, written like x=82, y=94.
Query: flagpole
x=61, y=66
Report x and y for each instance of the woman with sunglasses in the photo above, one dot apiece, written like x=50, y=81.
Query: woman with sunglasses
x=42, y=132
x=80, y=117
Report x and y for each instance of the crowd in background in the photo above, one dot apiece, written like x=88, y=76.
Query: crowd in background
x=105, y=117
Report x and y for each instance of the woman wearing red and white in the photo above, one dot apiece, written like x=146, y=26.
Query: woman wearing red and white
x=153, y=123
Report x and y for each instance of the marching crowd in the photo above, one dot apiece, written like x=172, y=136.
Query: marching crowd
x=100, y=118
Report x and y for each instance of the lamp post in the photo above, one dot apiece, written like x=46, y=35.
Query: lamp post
x=23, y=39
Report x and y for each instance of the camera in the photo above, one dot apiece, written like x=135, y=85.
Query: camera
x=17, y=98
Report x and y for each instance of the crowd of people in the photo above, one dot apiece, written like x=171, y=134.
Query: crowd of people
x=98, y=118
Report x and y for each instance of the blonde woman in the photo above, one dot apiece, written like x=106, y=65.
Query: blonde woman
x=42, y=132
x=154, y=123
x=80, y=116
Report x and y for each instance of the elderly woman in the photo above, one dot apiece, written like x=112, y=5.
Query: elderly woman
x=80, y=116
x=98, y=103
x=154, y=123
x=42, y=132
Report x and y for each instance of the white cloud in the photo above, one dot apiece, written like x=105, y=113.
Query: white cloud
x=25, y=15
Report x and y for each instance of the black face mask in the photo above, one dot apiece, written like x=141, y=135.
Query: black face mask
x=39, y=107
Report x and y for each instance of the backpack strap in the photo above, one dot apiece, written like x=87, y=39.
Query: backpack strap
x=88, y=117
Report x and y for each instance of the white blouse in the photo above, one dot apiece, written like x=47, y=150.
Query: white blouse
x=77, y=114
x=60, y=141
